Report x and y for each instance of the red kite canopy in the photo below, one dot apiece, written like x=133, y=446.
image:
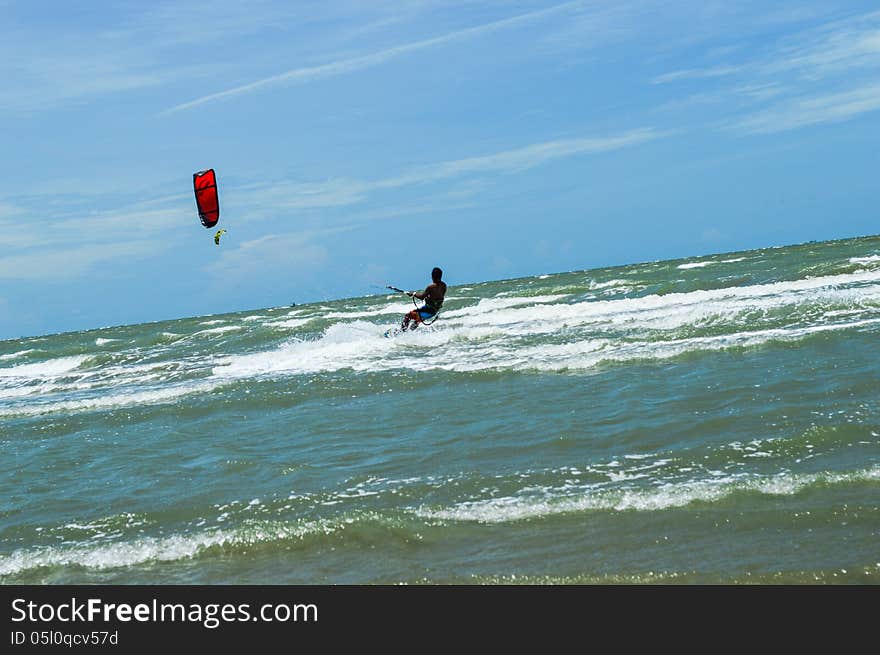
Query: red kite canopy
x=205, y=187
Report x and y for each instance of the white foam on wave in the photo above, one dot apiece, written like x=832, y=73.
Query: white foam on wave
x=594, y=286
x=494, y=304
x=709, y=262
x=842, y=312
x=288, y=325
x=118, y=374
x=391, y=308
x=44, y=370
x=158, y=396
x=103, y=342
x=509, y=333
x=27, y=390
x=109, y=376
x=219, y=330
x=111, y=555
x=865, y=260
x=602, y=497
x=675, y=310
x=361, y=346
x=15, y=355
x=500, y=333
x=125, y=553
x=587, y=354
x=33, y=390
x=343, y=345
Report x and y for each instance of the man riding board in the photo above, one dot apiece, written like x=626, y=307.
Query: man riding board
x=433, y=296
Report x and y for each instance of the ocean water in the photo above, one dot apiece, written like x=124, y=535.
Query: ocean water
x=707, y=420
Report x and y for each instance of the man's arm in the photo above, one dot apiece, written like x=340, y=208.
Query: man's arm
x=424, y=294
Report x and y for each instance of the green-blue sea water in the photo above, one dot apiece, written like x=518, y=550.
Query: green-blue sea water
x=708, y=420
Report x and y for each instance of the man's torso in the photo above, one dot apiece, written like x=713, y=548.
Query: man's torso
x=434, y=294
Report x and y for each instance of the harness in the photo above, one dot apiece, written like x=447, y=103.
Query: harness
x=430, y=306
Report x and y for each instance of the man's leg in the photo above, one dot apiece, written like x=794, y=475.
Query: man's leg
x=412, y=316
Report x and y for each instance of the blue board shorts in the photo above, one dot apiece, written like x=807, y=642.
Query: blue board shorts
x=425, y=312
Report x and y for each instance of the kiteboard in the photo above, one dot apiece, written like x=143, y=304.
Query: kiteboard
x=390, y=333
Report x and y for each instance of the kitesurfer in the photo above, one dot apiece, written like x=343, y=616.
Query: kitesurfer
x=433, y=296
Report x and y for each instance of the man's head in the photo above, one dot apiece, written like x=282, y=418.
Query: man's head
x=436, y=274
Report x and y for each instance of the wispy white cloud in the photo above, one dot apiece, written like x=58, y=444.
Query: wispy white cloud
x=743, y=96
x=760, y=91
x=76, y=242
x=269, y=254
x=22, y=227
x=594, y=25
x=170, y=24
x=9, y=211
x=800, y=112
x=521, y=159
x=838, y=46
x=38, y=81
x=68, y=263
x=816, y=75
x=353, y=64
x=343, y=192
x=696, y=73
x=38, y=244
x=432, y=205
x=336, y=192
x=38, y=247
x=789, y=15
x=47, y=64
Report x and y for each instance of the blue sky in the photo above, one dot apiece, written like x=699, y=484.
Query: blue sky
x=358, y=144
